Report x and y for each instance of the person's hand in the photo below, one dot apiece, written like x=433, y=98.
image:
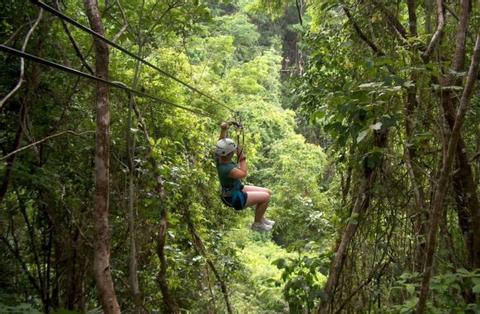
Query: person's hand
x=224, y=125
x=240, y=154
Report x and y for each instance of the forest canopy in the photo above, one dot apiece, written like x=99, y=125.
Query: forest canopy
x=361, y=118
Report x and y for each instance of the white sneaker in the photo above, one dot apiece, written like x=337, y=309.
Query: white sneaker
x=268, y=221
x=257, y=226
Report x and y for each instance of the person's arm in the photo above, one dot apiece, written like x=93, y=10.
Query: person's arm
x=223, y=132
x=242, y=171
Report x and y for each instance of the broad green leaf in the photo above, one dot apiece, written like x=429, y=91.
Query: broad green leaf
x=377, y=126
x=362, y=135
x=476, y=289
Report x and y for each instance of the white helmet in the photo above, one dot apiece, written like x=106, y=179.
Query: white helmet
x=225, y=146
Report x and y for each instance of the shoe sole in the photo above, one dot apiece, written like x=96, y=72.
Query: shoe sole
x=260, y=229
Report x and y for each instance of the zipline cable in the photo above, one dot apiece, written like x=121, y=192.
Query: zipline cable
x=119, y=85
x=131, y=54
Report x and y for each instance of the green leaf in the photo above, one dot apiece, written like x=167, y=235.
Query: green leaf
x=410, y=288
x=476, y=289
x=280, y=263
x=361, y=136
x=151, y=141
x=388, y=121
x=371, y=85
x=377, y=126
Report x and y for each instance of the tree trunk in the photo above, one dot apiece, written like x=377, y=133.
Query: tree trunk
x=132, y=265
x=11, y=160
x=102, y=269
x=171, y=305
x=442, y=183
x=420, y=216
x=200, y=249
x=468, y=207
x=361, y=204
x=428, y=9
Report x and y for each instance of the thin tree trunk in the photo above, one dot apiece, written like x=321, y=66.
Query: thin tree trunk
x=133, y=265
x=361, y=204
x=438, y=32
x=347, y=182
x=411, y=150
x=171, y=305
x=102, y=269
x=442, y=186
x=412, y=18
x=11, y=159
x=468, y=206
x=200, y=249
x=428, y=7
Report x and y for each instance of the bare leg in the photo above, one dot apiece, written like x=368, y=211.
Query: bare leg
x=260, y=212
x=252, y=188
x=260, y=199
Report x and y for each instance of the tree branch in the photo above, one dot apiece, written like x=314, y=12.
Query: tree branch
x=22, y=263
x=392, y=19
x=43, y=140
x=74, y=43
x=125, y=21
x=438, y=32
x=377, y=51
x=377, y=272
x=299, y=11
x=22, y=61
x=15, y=34
x=157, y=21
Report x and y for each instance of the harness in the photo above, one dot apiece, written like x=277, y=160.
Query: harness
x=230, y=191
x=234, y=197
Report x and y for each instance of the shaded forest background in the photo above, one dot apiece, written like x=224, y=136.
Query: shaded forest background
x=362, y=117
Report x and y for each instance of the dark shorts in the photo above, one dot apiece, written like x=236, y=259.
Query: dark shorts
x=237, y=200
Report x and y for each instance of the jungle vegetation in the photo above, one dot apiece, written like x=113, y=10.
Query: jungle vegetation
x=362, y=117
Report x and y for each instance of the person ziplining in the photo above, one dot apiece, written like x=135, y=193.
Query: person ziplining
x=234, y=194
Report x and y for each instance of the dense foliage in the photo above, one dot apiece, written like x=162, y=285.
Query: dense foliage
x=47, y=230
x=348, y=111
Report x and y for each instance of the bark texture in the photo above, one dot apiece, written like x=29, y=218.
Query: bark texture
x=411, y=153
x=102, y=269
x=468, y=206
x=442, y=187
